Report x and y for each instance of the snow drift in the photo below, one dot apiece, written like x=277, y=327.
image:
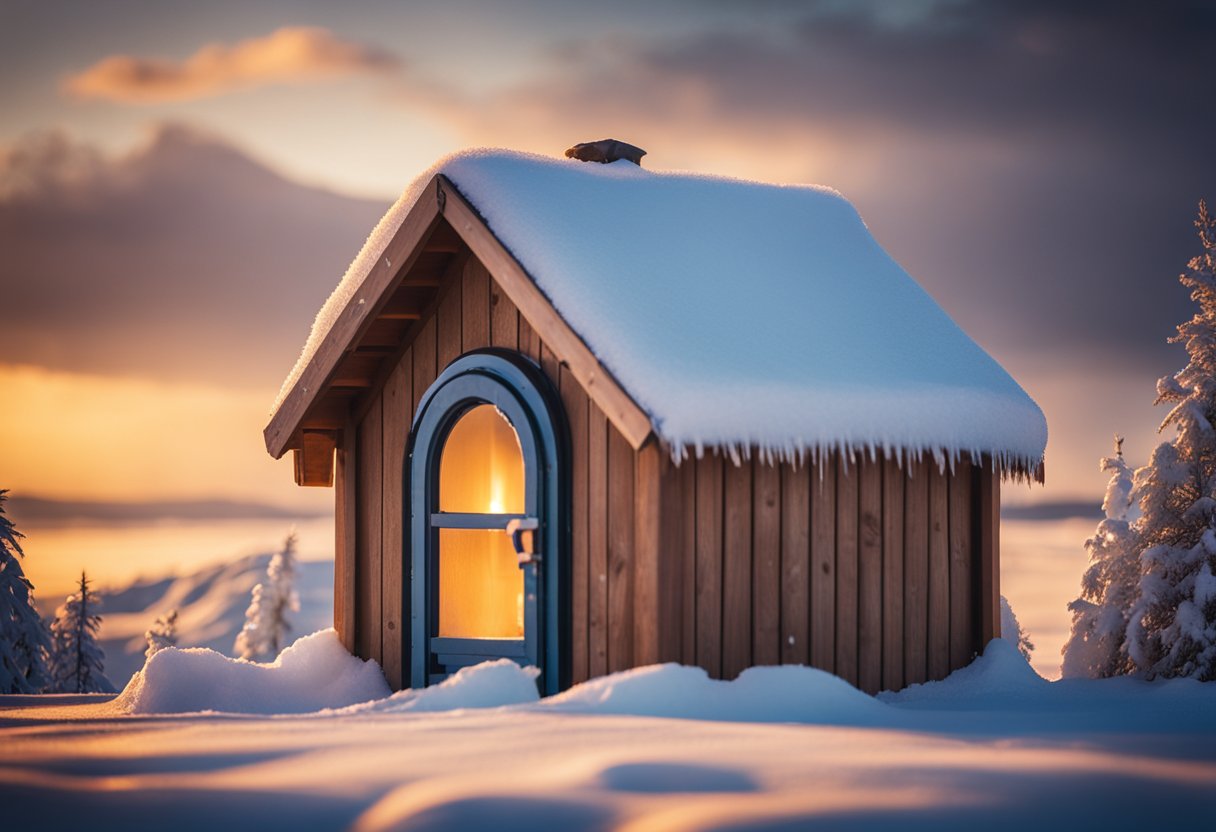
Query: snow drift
x=486, y=685
x=837, y=348
x=760, y=694
x=314, y=673
x=211, y=604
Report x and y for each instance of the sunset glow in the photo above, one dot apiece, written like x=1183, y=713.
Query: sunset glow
x=181, y=189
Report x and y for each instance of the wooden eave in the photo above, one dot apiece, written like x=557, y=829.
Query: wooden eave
x=398, y=293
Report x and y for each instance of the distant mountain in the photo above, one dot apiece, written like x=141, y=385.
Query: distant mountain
x=211, y=609
x=43, y=511
x=1063, y=510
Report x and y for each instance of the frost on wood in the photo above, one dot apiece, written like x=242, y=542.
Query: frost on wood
x=738, y=315
x=162, y=634
x=266, y=625
x=1097, y=645
x=77, y=663
x=24, y=641
x=1172, y=627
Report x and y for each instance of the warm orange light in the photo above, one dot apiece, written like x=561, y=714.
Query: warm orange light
x=480, y=585
x=482, y=467
x=481, y=471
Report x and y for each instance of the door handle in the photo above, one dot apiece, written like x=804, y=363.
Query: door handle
x=524, y=532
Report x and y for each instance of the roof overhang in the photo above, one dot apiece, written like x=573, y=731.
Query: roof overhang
x=344, y=367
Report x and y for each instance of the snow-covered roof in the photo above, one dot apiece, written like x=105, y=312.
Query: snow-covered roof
x=736, y=314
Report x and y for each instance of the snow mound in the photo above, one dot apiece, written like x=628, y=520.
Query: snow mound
x=760, y=694
x=313, y=674
x=1001, y=676
x=211, y=604
x=836, y=346
x=486, y=685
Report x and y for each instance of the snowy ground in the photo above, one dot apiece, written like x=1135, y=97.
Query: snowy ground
x=1041, y=567
x=995, y=747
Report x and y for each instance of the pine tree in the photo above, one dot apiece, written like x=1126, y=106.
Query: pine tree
x=77, y=663
x=1012, y=632
x=162, y=634
x=1097, y=647
x=1172, y=627
x=266, y=624
x=24, y=641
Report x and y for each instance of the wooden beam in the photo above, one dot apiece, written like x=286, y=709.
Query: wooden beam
x=362, y=308
x=893, y=479
x=658, y=538
x=796, y=483
x=314, y=459
x=847, y=488
x=344, y=537
x=916, y=570
x=709, y=563
x=649, y=615
x=736, y=568
x=445, y=240
x=620, y=552
x=869, y=575
x=939, y=574
x=621, y=410
x=421, y=282
x=766, y=564
x=987, y=489
x=597, y=529
x=823, y=563
x=356, y=370
x=328, y=414
x=962, y=548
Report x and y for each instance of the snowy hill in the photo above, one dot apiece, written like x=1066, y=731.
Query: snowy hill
x=211, y=609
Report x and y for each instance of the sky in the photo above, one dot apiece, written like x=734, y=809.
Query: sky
x=182, y=185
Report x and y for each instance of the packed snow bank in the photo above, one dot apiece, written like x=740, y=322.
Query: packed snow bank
x=837, y=346
x=313, y=674
x=760, y=694
x=211, y=604
x=999, y=677
x=487, y=685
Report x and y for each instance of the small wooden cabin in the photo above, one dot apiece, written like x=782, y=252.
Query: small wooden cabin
x=590, y=417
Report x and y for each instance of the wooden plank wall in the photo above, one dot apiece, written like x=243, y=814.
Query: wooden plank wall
x=868, y=569
x=865, y=568
x=473, y=312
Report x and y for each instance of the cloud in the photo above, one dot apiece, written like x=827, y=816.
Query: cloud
x=287, y=55
x=1035, y=165
x=1026, y=156
x=183, y=260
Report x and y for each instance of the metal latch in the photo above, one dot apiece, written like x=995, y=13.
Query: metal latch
x=523, y=532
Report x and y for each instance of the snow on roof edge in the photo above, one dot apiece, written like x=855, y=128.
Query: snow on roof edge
x=1017, y=459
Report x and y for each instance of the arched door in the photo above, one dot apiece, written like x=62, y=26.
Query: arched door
x=489, y=527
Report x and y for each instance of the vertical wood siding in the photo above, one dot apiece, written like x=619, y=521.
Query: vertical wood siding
x=882, y=572
x=866, y=568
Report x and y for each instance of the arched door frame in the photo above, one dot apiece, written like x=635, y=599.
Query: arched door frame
x=524, y=395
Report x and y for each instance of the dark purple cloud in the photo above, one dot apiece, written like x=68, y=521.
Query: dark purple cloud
x=1035, y=164
x=185, y=260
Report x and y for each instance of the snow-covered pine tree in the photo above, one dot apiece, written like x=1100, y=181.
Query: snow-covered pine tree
x=77, y=662
x=24, y=641
x=162, y=634
x=1097, y=647
x=1012, y=632
x=1172, y=627
x=266, y=624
